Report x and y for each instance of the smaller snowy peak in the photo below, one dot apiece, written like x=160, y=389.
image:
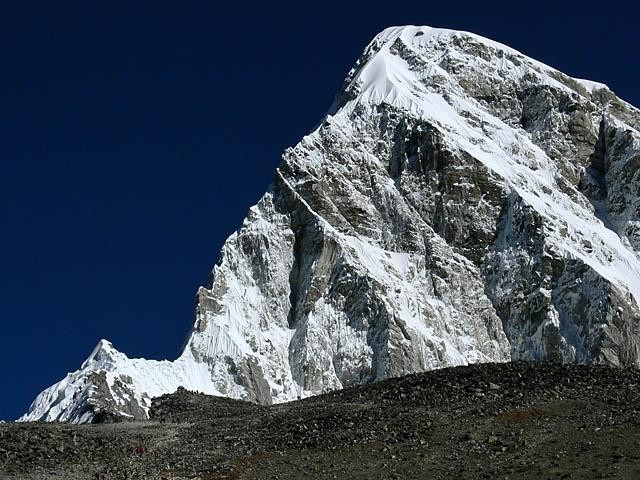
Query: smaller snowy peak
x=110, y=381
x=103, y=353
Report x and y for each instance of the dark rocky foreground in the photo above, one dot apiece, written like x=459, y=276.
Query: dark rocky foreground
x=490, y=421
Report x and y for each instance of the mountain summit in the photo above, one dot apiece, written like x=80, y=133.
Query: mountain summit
x=460, y=203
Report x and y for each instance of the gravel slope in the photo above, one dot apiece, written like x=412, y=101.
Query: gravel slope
x=512, y=420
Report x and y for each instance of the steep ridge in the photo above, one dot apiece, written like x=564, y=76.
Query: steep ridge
x=460, y=203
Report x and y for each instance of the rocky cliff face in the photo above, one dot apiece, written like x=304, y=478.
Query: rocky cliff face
x=460, y=203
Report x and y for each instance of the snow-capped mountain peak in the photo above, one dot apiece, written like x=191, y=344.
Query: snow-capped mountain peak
x=460, y=203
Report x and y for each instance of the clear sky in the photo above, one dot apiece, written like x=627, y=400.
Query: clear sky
x=133, y=139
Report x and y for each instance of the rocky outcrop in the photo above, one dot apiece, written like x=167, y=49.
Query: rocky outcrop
x=460, y=203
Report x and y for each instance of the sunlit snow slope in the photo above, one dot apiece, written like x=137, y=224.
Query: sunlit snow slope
x=460, y=203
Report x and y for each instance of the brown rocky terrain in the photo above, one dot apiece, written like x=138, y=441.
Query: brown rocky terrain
x=507, y=421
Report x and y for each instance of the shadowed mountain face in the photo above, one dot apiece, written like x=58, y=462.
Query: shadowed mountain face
x=460, y=203
x=507, y=420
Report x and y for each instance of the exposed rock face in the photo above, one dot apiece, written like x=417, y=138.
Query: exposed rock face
x=461, y=203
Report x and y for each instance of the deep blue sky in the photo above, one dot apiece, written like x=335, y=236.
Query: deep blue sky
x=134, y=139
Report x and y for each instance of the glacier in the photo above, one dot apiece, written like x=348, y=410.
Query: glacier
x=460, y=202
